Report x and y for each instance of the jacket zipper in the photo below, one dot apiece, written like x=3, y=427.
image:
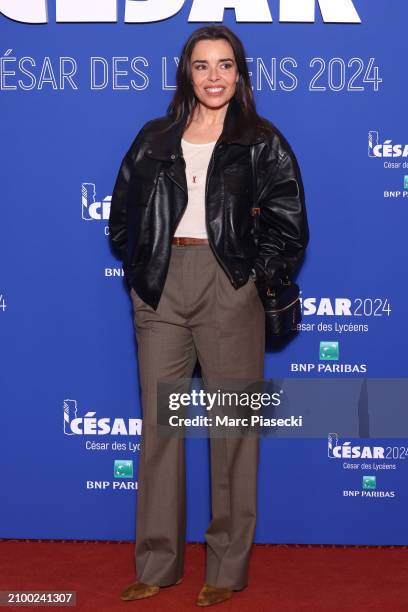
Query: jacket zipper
x=209, y=169
x=181, y=212
x=185, y=194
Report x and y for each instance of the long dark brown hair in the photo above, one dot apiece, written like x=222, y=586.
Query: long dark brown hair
x=184, y=100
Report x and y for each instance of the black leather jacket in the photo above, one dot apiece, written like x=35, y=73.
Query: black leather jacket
x=150, y=195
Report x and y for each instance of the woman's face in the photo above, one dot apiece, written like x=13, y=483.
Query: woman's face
x=214, y=72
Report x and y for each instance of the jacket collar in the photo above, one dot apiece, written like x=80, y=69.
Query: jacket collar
x=167, y=145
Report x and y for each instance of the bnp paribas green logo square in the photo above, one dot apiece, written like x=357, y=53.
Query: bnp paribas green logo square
x=369, y=482
x=406, y=181
x=329, y=351
x=123, y=468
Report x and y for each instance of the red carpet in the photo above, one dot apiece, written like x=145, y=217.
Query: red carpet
x=283, y=578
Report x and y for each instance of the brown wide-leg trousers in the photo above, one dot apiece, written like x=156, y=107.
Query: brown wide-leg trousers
x=200, y=315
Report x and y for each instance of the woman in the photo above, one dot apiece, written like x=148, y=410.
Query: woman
x=181, y=222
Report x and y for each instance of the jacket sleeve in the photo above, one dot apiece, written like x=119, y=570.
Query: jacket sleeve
x=120, y=197
x=283, y=231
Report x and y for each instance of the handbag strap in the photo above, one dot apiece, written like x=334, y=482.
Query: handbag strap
x=255, y=210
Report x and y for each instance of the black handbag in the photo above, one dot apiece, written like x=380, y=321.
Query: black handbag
x=281, y=301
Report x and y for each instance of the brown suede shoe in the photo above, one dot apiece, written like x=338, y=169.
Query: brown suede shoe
x=210, y=595
x=140, y=590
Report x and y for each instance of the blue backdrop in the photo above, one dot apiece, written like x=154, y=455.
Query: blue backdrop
x=73, y=96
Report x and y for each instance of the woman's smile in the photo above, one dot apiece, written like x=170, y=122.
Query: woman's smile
x=214, y=90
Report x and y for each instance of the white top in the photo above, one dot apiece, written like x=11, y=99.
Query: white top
x=197, y=158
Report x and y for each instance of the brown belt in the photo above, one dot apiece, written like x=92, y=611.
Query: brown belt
x=186, y=240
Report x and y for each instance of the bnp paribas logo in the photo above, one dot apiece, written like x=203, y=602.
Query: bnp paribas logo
x=123, y=468
x=369, y=483
x=406, y=181
x=328, y=351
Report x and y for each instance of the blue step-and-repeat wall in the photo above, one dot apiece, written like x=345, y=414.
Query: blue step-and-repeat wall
x=78, y=78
